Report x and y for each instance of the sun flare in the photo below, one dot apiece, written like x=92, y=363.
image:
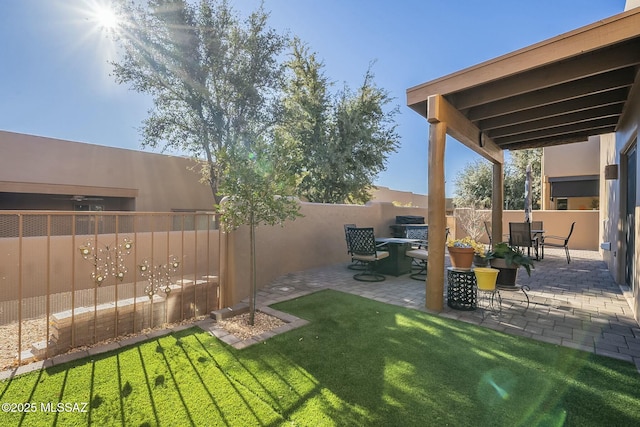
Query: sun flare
x=105, y=17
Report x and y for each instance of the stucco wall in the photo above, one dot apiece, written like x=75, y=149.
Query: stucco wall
x=610, y=206
x=614, y=222
x=49, y=166
x=556, y=223
x=577, y=159
x=315, y=240
x=404, y=198
x=630, y=4
x=581, y=158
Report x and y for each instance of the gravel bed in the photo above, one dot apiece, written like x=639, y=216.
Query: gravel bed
x=240, y=327
x=33, y=330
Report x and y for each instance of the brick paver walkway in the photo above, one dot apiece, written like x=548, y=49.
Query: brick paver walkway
x=576, y=305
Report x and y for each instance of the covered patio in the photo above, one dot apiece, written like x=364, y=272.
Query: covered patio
x=559, y=91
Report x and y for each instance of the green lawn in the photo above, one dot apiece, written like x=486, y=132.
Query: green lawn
x=358, y=362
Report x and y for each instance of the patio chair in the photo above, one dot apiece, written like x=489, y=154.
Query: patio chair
x=487, y=227
x=418, y=251
x=537, y=235
x=355, y=264
x=520, y=236
x=489, y=230
x=364, y=249
x=557, y=243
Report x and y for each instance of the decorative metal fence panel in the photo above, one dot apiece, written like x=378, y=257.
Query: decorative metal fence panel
x=72, y=279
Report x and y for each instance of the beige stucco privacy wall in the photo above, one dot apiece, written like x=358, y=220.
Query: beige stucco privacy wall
x=315, y=240
x=51, y=167
x=556, y=223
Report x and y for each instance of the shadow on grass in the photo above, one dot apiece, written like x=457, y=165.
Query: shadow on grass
x=358, y=362
x=409, y=365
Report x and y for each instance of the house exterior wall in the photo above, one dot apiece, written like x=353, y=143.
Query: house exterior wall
x=402, y=198
x=123, y=179
x=613, y=218
x=577, y=159
x=630, y=4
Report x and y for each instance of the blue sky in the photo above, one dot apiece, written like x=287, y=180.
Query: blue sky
x=55, y=80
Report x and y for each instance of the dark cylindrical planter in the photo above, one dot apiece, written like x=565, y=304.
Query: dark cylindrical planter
x=507, y=276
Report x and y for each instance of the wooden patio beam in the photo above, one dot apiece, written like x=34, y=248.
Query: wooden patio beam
x=439, y=110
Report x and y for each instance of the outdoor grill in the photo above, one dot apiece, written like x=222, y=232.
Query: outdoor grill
x=399, y=229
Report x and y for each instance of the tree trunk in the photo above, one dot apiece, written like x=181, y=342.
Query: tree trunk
x=252, y=292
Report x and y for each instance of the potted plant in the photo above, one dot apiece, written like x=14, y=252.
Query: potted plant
x=508, y=259
x=462, y=251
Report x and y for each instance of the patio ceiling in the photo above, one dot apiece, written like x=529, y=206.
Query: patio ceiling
x=558, y=91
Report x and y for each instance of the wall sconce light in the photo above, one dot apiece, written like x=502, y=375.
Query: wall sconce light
x=611, y=172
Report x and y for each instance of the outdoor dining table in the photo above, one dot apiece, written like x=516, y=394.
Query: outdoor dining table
x=397, y=263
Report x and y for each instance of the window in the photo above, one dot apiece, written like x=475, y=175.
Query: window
x=562, y=204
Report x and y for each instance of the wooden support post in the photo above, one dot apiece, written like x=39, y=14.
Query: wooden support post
x=436, y=217
x=444, y=118
x=497, y=202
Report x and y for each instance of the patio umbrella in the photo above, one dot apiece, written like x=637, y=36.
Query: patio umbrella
x=527, y=195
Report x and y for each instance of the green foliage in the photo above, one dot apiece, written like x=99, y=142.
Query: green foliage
x=216, y=80
x=512, y=256
x=474, y=182
x=474, y=185
x=515, y=177
x=257, y=195
x=335, y=145
x=212, y=77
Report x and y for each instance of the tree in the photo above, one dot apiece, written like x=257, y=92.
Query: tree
x=335, y=144
x=302, y=137
x=517, y=171
x=256, y=196
x=214, y=80
x=474, y=185
x=474, y=182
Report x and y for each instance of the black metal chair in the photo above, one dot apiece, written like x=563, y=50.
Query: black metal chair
x=520, y=236
x=537, y=236
x=557, y=244
x=355, y=264
x=364, y=249
x=418, y=251
x=489, y=229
